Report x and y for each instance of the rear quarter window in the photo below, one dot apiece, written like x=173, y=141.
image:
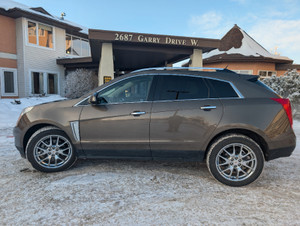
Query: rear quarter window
x=222, y=89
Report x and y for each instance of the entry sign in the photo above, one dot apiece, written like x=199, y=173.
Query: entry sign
x=106, y=79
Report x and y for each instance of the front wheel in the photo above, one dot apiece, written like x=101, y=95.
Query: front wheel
x=50, y=150
x=235, y=160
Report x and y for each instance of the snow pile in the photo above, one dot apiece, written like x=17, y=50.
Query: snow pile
x=249, y=48
x=10, y=111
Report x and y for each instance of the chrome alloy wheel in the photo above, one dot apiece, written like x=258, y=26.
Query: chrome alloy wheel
x=236, y=162
x=52, y=151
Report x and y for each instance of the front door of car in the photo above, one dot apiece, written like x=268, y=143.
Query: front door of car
x=182, y=117
x=118, y=126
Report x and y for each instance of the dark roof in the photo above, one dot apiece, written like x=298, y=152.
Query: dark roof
x=237, y=45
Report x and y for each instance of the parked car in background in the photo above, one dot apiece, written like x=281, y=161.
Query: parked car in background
x=231, y=121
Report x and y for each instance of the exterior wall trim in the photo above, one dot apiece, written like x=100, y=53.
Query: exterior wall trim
x=8, y=56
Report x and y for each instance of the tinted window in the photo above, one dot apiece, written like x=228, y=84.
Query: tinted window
x=222, y=89
x=130, y=90
x=181, y=87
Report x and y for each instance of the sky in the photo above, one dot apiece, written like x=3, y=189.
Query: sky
x=275, y=24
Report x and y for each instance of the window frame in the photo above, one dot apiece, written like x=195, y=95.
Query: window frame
x=14, y=71
x=129, y=102
x=154, y=85
x=160, y=80
x=206, y=81
x=45, y=82
x=37, y=35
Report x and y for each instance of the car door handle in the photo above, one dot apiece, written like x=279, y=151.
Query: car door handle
x=138, y=113
x=207, y=107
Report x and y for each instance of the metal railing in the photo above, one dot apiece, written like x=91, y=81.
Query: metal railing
x=183, y=68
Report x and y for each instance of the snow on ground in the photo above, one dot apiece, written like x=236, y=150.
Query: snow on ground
x=119, y=192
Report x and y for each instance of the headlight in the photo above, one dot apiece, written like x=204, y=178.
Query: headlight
x=24, y=111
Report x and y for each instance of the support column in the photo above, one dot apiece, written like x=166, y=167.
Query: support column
x=106, y=64
x=196, y=58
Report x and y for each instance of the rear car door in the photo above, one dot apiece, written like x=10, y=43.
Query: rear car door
x=183, y=117
x=120, y=126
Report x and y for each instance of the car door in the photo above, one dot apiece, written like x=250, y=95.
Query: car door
x=119, y=125
x=182, y=117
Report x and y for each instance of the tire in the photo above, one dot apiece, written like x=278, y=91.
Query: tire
x=50, y=150
x=235, y=160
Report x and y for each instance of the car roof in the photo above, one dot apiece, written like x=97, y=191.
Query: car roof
x=222, y=74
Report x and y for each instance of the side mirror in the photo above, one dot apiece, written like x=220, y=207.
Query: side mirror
x=95, y=100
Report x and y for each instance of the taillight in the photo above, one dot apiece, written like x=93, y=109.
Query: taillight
x=287, y=107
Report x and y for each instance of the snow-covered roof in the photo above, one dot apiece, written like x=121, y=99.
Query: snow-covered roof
x=238, y=42
x=8, y=5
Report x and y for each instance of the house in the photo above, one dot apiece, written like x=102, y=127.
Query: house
x=31, y=40
x=241, y=53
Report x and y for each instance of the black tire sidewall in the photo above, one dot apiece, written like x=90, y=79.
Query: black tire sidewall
x=30, y=151
x=222, y=142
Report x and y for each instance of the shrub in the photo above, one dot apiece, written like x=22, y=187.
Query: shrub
x=287, y=86
x=79, y=82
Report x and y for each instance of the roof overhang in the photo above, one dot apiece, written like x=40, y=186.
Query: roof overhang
x=17, y=13
x=241, y=58
x=139, y=50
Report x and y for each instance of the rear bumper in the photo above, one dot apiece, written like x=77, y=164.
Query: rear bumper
x=283, y=147
x=280, y=152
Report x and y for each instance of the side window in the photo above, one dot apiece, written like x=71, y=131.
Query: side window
x=181, y=87
x=129, y=90
x=222, y=89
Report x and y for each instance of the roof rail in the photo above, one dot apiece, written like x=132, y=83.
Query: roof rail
x=182, y=68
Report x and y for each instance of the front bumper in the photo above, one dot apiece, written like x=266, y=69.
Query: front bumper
x=18, y=142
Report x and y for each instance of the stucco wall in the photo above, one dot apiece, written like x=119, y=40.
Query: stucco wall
x=8, y=48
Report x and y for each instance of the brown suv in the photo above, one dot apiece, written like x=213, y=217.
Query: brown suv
x=230, y=120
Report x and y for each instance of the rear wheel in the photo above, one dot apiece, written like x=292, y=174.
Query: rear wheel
x=235, y=160
x=50, y=150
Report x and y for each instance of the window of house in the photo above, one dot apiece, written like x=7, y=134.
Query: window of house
x=8, y=82
x=267, y=73
x=77, y=46
x=45, y=36
x=37, y=79
x=44, y=83
x=40, y=34
x=52, y=83
x=32, y=33
x=249, y=72
x=181, y=87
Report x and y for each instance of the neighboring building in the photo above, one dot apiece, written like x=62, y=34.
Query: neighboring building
x=31, y=40
x=239, y=52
